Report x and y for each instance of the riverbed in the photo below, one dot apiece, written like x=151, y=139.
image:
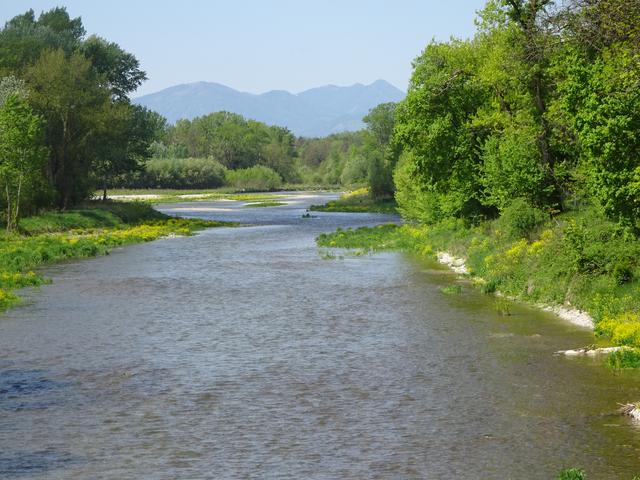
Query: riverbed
x=248, y=353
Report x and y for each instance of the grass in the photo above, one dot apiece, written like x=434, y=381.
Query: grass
x=53, y=237
x=451, y=290
x=264, y=204
x=624, y=358
x=578, y=259
x=179, y=196
x=358, y=201
x=572, y=474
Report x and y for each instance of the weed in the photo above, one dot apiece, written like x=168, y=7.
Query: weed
x=451, y=289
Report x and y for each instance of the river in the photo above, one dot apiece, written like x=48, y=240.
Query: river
x=247, y=353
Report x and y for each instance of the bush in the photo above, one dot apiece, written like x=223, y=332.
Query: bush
x=254, y=179
x=624, y=358
x=572, y=474
x=184, y=173
x=520, y=219
x=623, y=273
x=176, y=173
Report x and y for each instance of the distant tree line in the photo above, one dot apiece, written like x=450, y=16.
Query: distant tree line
x=204, y=153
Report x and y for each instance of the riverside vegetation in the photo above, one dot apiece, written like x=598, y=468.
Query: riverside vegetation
x=564, y=260
x=87, y=232
x=360, y=200
x=519, y=150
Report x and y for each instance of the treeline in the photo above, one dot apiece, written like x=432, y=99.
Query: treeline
x=366, y=157
x=66, y=122
x=219, y=149
x=206, y=151
x=538, y=113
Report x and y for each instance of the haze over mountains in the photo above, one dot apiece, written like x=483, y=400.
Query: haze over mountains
x=313, y=113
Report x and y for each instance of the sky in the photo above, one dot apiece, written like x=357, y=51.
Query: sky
x=257, y=46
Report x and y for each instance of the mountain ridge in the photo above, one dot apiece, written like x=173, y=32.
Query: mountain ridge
x=315, y=112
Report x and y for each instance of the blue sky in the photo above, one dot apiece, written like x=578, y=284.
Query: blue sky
x=256, y=46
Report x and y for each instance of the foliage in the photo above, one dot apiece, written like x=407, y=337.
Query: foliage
x=78, y=87
x=434, y=124
x=357, y=201
x=624, y=358
x=180, y=173
x=572, y=474
x=234, y=142
x=255, y=179
x=519, y=219
x=21, y=156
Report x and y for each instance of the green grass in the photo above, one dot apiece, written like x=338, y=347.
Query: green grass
x=577, y=258
x=451, y=290
x=264, y=204
x=625, y=358
x=179, y=196
x=56, y=236
x=572, y=474
x=358, y=201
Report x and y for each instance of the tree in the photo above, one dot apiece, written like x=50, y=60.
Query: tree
x=23, y=38
x=435, y=125
x=123, y=134
x=382, y=152
x=68, y=93
x=532, y=43
x=21, y=155
x=120, y=69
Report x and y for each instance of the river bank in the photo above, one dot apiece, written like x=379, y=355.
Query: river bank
x=584, y=272
x=92, y=230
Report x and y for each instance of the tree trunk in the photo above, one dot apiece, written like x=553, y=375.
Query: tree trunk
x=16, y=215
x=9, y=209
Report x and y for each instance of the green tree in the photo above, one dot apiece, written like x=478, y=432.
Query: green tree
x=123, y=134
x=120, y=69
x=21, y=155
x=435, y=124
x=382, y=152
x=24, y=38
x=69, y=94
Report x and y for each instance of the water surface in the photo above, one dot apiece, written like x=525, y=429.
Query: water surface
x=243, y=353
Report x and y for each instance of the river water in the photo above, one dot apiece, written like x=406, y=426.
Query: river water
x=247, y=353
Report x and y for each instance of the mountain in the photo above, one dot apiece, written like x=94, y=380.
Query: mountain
x=313, y=113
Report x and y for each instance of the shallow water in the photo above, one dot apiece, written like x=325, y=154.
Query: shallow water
x=243, y=353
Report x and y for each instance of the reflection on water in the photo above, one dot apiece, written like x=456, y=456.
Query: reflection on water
x=242, y=353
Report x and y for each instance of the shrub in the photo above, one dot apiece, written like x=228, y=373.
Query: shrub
x=624, y=358
x=520, y=219
x=184, y=173
x=572, y=474
x=623, y=273
x=175, y=173
x=256, y=179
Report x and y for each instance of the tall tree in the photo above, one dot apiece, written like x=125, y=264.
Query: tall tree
x=123, y=135
x=68, y=93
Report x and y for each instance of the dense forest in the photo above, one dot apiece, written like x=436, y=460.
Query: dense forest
x=541, y=106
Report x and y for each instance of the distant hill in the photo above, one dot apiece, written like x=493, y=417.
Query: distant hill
x=313, y=113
